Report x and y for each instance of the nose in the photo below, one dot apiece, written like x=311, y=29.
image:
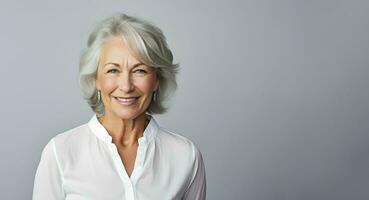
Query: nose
x=125, y=83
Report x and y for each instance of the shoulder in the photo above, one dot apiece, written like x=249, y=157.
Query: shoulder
x=58, y=146
x=71, y=140
x=174, y=139
x=72, y=135
x=178, y=145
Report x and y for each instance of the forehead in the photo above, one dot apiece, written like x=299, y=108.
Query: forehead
x=114, y=49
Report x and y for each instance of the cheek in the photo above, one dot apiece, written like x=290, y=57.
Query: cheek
x=146, y=86
x=108, y=85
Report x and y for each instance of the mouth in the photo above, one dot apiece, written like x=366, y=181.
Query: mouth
x=126, y=101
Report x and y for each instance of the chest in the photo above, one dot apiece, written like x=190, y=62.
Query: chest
x=101, y=173
x=128, y=158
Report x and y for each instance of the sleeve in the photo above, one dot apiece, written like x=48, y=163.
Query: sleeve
x=197, y=187
x=48, y=183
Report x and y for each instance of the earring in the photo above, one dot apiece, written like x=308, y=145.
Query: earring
x=154, y=95
x=98, y=96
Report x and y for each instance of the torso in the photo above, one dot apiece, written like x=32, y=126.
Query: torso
x=88, y=161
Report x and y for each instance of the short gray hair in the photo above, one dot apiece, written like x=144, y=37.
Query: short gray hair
x=145, y=41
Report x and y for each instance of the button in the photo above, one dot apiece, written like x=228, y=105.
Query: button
x=142, y=139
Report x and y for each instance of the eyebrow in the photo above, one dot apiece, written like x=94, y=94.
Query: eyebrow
x=117, y=65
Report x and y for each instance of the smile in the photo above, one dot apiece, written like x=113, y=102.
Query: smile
x=126, y=101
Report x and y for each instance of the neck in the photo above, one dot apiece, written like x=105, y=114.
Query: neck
x=124, y=132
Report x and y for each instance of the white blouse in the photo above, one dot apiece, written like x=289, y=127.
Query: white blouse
x=84, y=164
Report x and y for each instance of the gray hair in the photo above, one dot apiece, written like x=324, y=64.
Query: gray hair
x=145, y=41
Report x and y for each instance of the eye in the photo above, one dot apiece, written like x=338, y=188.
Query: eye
x=140, y=71
x=112, y=71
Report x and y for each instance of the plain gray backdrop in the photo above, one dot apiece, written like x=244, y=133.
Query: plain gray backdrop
x=274, y=93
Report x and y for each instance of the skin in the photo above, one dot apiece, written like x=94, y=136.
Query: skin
x=120, y=74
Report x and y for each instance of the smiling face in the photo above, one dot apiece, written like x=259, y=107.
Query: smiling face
x=126, y=84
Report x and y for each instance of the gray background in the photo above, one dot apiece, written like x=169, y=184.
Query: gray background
x=274, y=93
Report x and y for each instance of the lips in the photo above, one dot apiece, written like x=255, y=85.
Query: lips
x=126, y=100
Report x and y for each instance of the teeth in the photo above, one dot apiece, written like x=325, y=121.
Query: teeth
x=126, y=99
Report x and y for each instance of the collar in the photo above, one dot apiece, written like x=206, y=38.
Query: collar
x=99, y=130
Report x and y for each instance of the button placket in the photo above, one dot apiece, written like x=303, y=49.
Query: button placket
x=140, y=157
x=130, y=191
x=141, y=152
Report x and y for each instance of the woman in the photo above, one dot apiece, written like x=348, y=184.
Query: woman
x=126, y=73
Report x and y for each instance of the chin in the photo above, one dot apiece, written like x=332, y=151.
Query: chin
x=127, y=114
